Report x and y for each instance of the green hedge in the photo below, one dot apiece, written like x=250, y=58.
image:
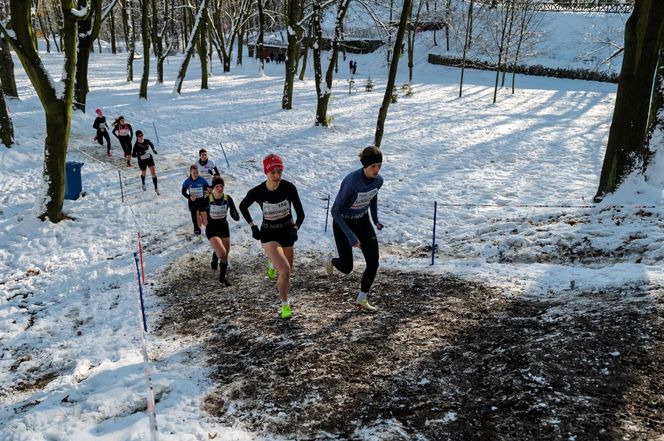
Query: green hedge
x=534, y=69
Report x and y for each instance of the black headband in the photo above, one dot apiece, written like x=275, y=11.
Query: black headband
x=372, y=159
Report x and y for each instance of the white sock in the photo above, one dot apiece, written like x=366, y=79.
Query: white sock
x=284, y=303
x=362, y=296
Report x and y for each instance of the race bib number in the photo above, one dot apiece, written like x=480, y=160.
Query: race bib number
x=146, y=156
x=123, y=132
x=196, y=192
x=218, y=211
x=276, y=211
x=363, y=199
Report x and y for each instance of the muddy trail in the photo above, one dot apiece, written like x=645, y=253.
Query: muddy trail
x=443, y=359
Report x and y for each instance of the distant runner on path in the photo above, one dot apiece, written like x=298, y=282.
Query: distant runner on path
x=196, y=190
x=102, y=131
x=123, y=131
x=351, y=224
x=217, y=231
x=206, y=166
x=141, y=151
x=278, y=232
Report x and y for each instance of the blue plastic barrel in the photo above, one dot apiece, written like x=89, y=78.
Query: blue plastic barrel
x=73, y=184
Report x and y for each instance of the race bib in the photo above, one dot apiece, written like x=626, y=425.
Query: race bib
x=363, y=199
x=276, y=211
x=218, y=211
x=145, y=156
x=123, y=132
x=196, y=192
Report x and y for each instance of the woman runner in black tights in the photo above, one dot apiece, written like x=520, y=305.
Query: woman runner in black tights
x=278, y=232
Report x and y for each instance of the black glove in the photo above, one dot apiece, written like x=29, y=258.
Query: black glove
x=154, y=151
x=293, y=234
x=255, y=232
x=379, y=226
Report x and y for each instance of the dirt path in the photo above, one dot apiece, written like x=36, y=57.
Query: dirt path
x=442, y=359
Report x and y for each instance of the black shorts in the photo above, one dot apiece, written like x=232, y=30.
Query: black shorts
x=143, y=164
x=285, y=236
x=217, y=229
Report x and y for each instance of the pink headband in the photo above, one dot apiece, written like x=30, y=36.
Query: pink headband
x=271, y=163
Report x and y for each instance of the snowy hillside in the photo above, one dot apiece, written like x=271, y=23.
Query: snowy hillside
x=512, y=181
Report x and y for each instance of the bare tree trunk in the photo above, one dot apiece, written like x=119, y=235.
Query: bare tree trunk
x=131, y=51
x=626, y=148
x=259, y=41
x=382, y=113
x=7, y=70
x=506, y=7
x=7, y=79
x=114, y=48
x=293, y=16
x=412, y=29
x=6, y=126
x=240, y=42
x=145, y=38
x=42, y=27
x=89, y=28
x=508, y=42
x=466, y=44
x=191, y=45
x=324, y=98
x=202, y=51
x=656, y=117
x=317, y=36
x=57, y=105
x=307, y=42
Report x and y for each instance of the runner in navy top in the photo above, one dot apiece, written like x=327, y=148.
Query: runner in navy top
x=195, y=189
x=278, y=232
x=123, y=131
x=102, y=131
x=141, y=151
x=351, y=224
x=217, y=231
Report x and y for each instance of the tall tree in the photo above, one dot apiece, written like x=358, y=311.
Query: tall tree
x=324, y=95
x=89, y=29
x=56, y=99
x=466, y=44
x=191, y=45
x=294, y=11
x=6, y=127
x=259, y=42
x=6, y=63
x=655, y=135
x=382, y=113
x=145, y=38
x=203, y=51
x=626, y=148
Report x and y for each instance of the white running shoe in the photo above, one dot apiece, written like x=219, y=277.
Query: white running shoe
x=156, y=190
x=329, y=268
x=143, y=186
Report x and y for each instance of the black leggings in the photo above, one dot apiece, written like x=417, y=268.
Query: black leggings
x=369, y=244
x=125, y=142
x=193, y=209
x=101, y=136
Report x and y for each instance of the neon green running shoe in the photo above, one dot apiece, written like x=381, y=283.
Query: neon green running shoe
x=271, y=271
x=286, y=312
x=365, y=306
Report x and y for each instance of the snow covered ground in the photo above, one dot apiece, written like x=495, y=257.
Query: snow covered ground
x=513, y=182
